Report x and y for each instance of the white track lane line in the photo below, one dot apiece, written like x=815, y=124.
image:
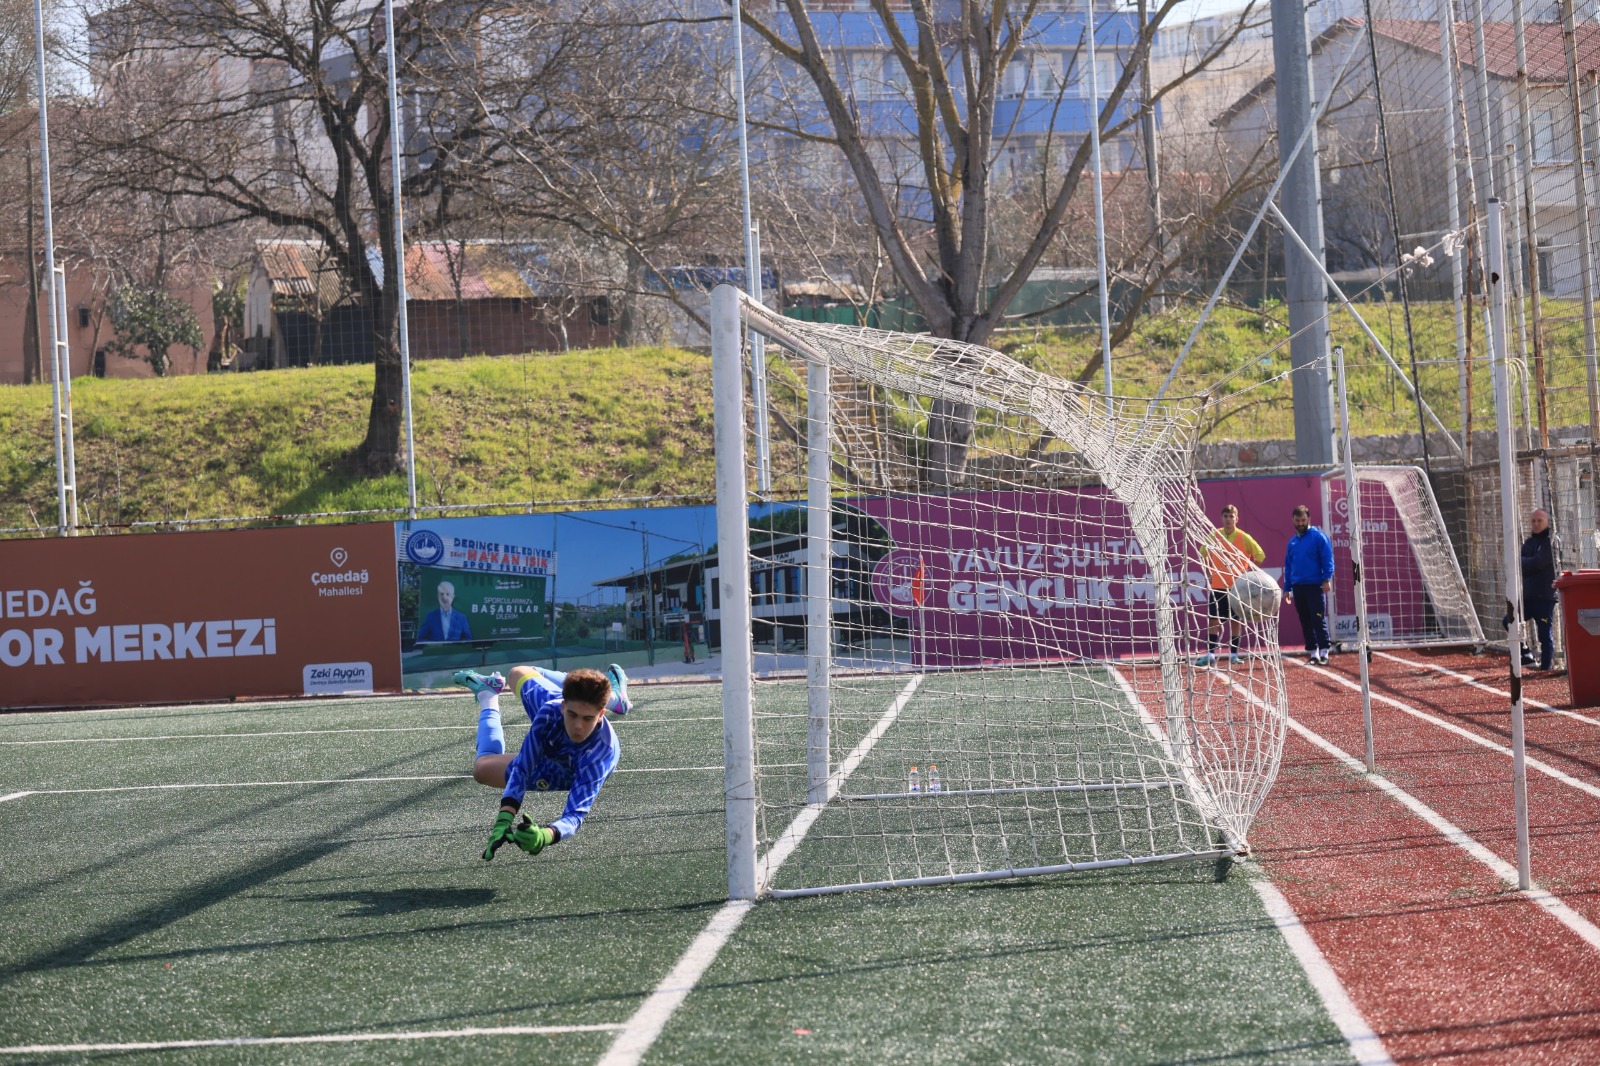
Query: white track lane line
x=1460, y=731
x=647, y=1023
x=1505, y=871
x=1502, y=693
x=1364, y=1044
x=342, y=1038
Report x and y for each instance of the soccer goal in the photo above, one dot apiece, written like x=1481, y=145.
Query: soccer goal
x=1001, y=590
x=1416, y=594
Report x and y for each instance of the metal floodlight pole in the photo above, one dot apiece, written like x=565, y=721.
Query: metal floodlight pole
x=1352, y=518
x=752, y=270
x=1458, y=289
x=395, y=140
x=1580, y=190
x=1099, y=205
x=60, y=355
x=1499, y=347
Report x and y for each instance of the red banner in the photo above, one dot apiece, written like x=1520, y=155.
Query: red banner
x=196, y=616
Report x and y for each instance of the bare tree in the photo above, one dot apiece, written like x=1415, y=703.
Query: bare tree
x=278, y=114
x=929, y=190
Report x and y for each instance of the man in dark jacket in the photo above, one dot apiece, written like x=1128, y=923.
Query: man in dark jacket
x=1538, y=586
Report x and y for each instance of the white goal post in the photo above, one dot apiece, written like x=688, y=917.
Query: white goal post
x=990, y=609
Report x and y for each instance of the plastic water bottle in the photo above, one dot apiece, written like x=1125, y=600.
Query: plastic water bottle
x=916, y=781
x=933, y=778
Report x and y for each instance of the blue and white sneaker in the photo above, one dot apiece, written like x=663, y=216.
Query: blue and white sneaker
x=1208, y=659
x=480, y=682
x=619, y=704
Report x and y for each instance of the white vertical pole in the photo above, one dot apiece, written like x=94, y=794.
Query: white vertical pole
x=819, y=578
x=733, y=589
x=1458, y=287
x=69, y=449
x=1099, y=206
x=60, y=357
x=395, y=140
x=752, y=269
x=1512, y=559
x=1580, y=191
x=1352, y=506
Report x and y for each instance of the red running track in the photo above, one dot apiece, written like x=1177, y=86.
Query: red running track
x=1445, y=960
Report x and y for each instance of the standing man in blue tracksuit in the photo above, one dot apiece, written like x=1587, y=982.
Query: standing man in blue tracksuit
x=1307, y=579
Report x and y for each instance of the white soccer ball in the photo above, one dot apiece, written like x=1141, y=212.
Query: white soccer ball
x=1255, y=596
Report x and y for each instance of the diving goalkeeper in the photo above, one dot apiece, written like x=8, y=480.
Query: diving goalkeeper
x=570, y=746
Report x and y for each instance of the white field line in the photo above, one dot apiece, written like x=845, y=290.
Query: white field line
x=643, y=1029
x=1475, y=683
x=1460, y=731
x=1364, y=1043
x=1505, y=871
x=325, y=781
x=235, y=736
x=342, y=1038
x=627, y=722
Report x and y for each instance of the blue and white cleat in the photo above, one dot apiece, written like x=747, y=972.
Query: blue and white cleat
x=619, y=704
x=480, y=682
x=1208, y=659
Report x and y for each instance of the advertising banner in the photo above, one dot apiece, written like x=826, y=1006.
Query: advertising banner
x=554, y=590
x=1049, y=574
x=172, y=617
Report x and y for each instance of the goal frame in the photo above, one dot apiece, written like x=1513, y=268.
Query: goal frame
x=749, y=873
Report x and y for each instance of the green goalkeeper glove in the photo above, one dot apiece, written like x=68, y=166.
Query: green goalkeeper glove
x=532, y=838
x=503, y=831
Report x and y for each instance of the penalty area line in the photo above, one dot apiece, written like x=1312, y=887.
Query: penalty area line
x=340, y=1038
x=647, y=1023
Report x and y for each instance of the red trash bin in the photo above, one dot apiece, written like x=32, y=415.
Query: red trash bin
x=1580, y=623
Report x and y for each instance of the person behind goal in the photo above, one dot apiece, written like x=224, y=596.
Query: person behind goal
x=569, y=747
x=1226, y=558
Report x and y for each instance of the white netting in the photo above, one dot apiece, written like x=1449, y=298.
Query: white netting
x=1020, y=606
x=1416, y=594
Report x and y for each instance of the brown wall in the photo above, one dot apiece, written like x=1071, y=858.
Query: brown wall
x=495, y=327
x=195, y=616
x=82, y=292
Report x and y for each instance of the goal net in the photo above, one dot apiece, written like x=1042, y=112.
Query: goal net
x=1416, y=594
x=981, y=605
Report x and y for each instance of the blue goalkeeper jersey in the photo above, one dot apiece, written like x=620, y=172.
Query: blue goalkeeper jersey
x=549, y=760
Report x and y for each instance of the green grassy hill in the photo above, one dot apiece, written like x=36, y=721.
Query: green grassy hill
x=612, y=424
x=582, y=425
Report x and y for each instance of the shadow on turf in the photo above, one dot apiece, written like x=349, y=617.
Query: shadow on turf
x=95, y=940
x=403, y=900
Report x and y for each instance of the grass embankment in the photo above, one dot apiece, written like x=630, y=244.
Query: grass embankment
x=582, y=425
x=626, y=423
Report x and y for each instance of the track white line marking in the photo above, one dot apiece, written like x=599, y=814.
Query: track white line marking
x=1364, y=1043
x=14, y=796
x=342, y=1038
x=1475, y=683
x=647, y=1023
x=1505, y=871
x=1460, y=731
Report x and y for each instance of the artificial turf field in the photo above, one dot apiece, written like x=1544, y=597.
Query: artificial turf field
x=302, y=881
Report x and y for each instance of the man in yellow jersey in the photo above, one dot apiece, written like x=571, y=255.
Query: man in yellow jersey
x=1228, y=557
